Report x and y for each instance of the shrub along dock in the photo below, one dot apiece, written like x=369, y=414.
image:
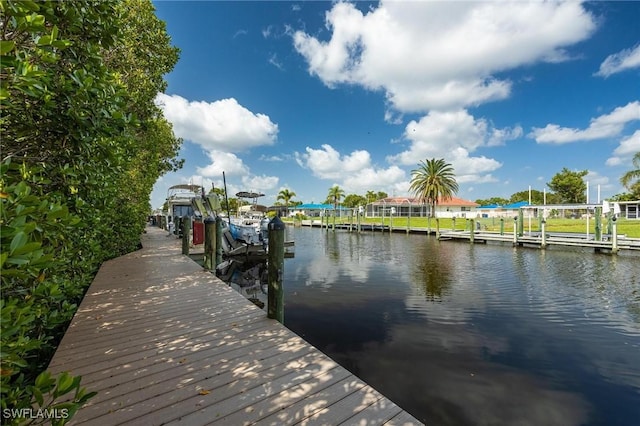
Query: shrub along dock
x=163, y=341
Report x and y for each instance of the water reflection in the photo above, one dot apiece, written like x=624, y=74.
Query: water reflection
x=462, y=334
x=432, y=270
x=248, y=277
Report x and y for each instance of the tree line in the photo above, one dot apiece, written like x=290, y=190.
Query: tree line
x=82, y=145
x=434, y=180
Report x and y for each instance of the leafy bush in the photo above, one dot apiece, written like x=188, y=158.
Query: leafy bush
x=82, y=145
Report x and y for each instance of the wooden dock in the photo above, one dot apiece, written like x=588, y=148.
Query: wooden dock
x=535, y=240
x=531, y=240
x=163, y=341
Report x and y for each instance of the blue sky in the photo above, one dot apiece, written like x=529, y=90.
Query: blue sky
x=307, y=95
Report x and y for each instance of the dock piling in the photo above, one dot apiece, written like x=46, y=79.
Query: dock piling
x=598, y=231
x=275, y=294
x=186, y=233
x=209, y=243
x=614, y=236
x=218, y=240
x=471, y=230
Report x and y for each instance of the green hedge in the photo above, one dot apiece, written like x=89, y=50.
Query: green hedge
x=82, y=145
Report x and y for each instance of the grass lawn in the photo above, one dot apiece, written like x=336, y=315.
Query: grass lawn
x=628, y=227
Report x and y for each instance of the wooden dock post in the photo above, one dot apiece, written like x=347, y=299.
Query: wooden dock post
x=598, y=231
x=501, y=226
x=471, y=230
x=218, y=240
x=520, y=223
x=209, y=243
x=453, y=220
x=437, y=228
x=409, y=221
x=515, y=230
x=614, y=236
x=186, y=232
x=275, y=272
x=543, y=224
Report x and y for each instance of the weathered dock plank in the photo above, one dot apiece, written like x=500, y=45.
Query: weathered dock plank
x=163, y=341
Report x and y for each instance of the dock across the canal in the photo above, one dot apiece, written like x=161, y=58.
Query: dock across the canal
x=163, y=341
x=610, y=244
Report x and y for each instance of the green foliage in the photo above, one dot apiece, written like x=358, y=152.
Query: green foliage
x=286, y=195
x=433, y=180
x=353, y=200
x=631, y=179
x=335, y=195
x=569, y=186
x=537, y=197
x=82, y=145
x=53, y=400
x=493, y=200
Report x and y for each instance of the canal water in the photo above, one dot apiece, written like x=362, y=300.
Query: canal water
x=461, y=334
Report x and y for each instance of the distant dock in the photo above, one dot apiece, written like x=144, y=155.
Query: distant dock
x=163, y=341
x=609, y=244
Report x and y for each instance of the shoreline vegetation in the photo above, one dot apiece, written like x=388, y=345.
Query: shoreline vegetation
x=628, y=227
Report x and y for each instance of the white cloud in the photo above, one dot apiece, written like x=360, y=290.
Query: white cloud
x=453, y=136
x=626, y=150
x=353, y=172
x=440, y=55
x=327, y=163
x=273, y=60
x=621, y=61
x=223, y=125
x=605, y=126
x=260, y=183
x=273, y=158
x=595, y=179
x=226, y=162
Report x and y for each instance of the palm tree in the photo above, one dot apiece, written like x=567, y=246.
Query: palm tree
x=286, y=196
x=433, y=180
x=627, y=180
x=335, y=195
x=371, y=196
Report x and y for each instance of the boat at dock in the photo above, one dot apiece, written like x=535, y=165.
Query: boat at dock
x=245, y=234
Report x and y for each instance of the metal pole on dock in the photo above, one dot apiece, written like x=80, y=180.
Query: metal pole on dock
x=209, y=243
x=275, y=294
x=515, y=230
x=186, y=231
